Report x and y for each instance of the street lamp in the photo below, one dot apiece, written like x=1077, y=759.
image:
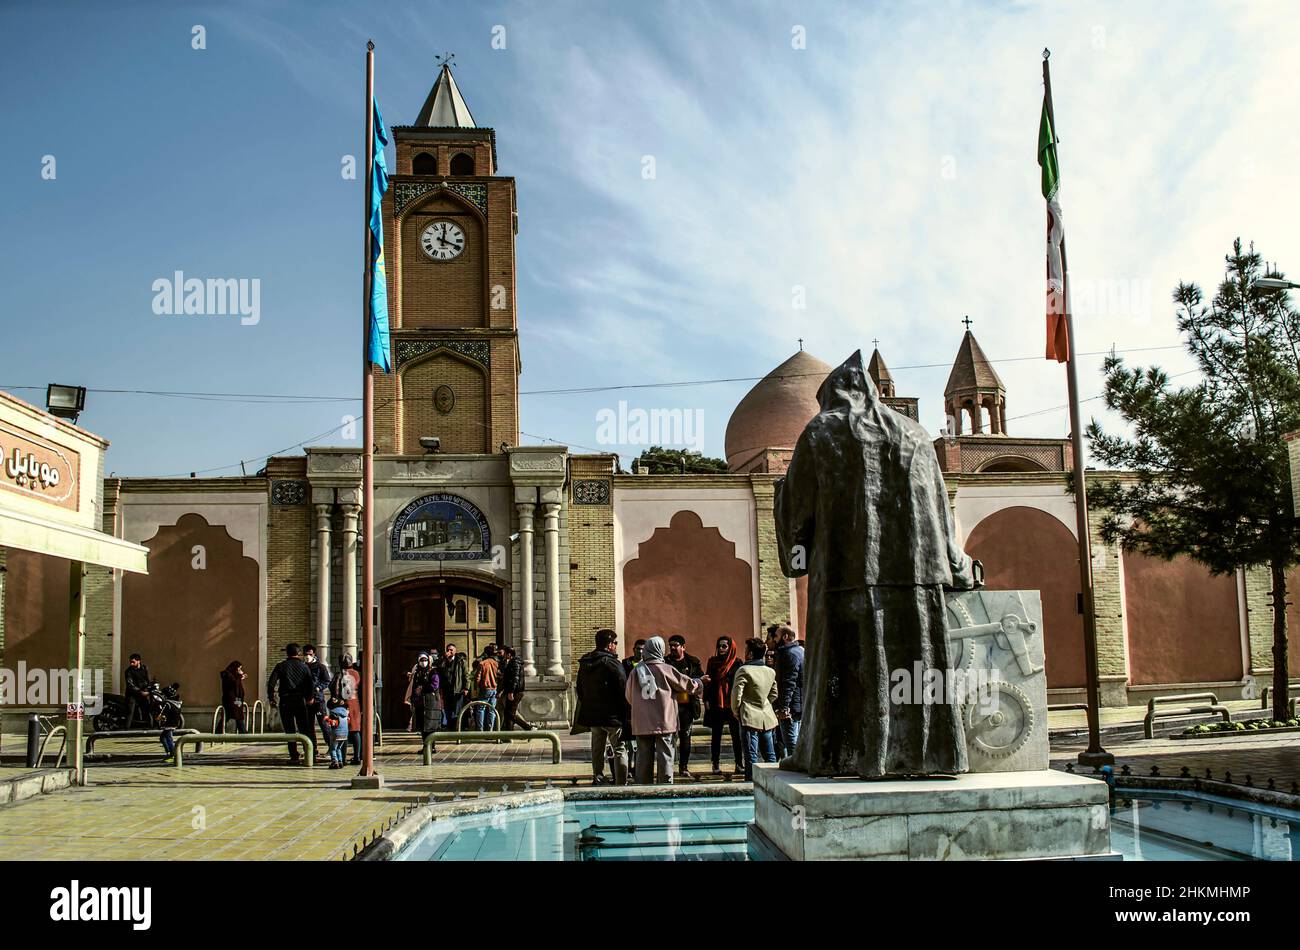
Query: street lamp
x=1275, y=283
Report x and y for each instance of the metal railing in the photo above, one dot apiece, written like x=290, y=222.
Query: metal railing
x=62, y=733
x=266, y=738
x=1212, y=706
x=1265, y=704
x=496, y=716
x=258, y=708
x=530, y=735
x=94, y=737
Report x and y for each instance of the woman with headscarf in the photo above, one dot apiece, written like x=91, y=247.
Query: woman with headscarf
x=424, y=697
x=232, y=696
x=652, y=693
x=718, y=678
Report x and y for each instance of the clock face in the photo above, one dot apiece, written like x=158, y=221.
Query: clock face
x=443, y=240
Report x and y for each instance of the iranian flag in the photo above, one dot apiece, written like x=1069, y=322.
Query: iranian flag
x=1058, y=346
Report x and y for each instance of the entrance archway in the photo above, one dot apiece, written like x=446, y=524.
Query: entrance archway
x=425, y=614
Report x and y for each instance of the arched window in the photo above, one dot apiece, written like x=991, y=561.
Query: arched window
x=424, y=164
x=462, y=164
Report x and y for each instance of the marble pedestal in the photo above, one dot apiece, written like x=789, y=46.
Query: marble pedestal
x=977, y=816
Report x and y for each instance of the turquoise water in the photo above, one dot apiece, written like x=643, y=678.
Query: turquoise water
x=683, y=829
x=1167, y=826
x=1154, y=826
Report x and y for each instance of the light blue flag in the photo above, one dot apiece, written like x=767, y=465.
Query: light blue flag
x=379, y=346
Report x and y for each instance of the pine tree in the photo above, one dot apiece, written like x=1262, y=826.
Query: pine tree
x=1212, y=477
x=657, y=460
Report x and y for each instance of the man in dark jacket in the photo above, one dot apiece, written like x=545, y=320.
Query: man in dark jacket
x=320, y=672
x=602, y=706
x=453, y=678
x=689, y=708
x=293, y=682
x=136, y=686
x=510, y=690
x=789, y=685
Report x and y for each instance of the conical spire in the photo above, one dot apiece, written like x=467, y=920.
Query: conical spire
x=445, y=108
x=880, y=374
x=972, y=370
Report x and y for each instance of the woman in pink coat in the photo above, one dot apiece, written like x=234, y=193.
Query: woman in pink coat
x=651, y=692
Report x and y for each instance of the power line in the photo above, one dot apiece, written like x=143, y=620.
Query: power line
x=273, y=398
x=290, y=398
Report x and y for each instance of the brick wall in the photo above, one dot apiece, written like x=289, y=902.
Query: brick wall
x=773, y=587
x=442, y=294
x=1108, y=605
x=463, y=430
x=591, y=557
x=288, y=565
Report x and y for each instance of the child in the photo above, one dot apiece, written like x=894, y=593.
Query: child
x=337, y=720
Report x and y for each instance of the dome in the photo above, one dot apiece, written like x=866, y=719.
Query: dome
x=775, y=411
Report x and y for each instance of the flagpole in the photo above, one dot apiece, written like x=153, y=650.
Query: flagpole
x=1094, y=755
x=368, y=777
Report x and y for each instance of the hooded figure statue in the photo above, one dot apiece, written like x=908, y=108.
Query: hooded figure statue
x=863, y=511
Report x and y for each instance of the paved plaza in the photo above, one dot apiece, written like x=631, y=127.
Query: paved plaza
x=243, y=802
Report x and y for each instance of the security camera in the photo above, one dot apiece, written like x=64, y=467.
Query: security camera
x=430, y=443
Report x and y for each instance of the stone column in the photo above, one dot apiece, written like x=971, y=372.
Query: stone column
x=350, y=515
x=555, y=664
x=323, y=531
x=976, y=418
x=526, y=611
x=995, y=422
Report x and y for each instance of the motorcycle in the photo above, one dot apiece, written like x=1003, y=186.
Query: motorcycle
x=162, y=711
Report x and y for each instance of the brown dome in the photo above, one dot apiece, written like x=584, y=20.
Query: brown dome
x=774, y=413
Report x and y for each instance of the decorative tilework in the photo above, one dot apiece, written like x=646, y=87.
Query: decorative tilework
x=591, y=491
x=288, y=492
x=476, y=350
x=404, y=192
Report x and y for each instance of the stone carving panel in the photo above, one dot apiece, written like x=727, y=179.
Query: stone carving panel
x=995, y=638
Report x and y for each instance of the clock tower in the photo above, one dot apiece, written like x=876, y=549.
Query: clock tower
x=449, y=237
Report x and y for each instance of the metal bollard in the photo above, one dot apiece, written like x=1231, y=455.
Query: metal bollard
x=33, y=740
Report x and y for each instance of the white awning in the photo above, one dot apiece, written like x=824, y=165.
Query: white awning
x=18, y=530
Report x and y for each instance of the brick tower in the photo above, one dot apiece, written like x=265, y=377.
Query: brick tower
x=449, y=236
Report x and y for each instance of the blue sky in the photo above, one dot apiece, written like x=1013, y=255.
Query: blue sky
x=886, y=169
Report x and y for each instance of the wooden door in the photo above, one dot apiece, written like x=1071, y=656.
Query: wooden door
x=413, y=623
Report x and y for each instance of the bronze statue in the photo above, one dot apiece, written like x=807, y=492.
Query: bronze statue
x=863, y=511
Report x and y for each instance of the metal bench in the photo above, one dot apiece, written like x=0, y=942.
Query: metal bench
x=265, y=738
x=520, y=735
x=1212, y=706
x=94, y=737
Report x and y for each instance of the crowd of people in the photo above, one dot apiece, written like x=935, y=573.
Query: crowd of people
x=442, y=684
x=308, y=697
x=640, y=710
x=439, y=688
